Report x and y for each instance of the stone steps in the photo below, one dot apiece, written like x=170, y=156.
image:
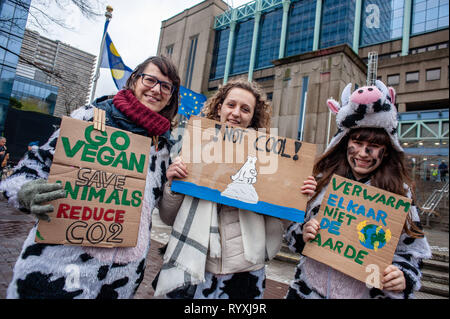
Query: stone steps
x=435, y=273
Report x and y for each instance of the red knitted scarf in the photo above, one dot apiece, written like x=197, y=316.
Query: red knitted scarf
x=138, y=113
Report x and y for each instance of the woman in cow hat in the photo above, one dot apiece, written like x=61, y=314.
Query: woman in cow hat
x=365, y=149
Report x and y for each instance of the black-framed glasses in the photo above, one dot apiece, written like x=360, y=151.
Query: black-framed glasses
x=150, y=81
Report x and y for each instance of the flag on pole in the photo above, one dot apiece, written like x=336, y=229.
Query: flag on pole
x=190, y=103
x=112, y=60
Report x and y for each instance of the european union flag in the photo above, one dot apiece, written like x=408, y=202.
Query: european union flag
x=111, y=60
x=190, y=103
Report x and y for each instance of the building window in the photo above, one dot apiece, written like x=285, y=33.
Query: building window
x=300, y=35
x=433, y=74
x=269, y=38
x=429, y=15
x=191, y=61
x=169, y=50
x=393, y=79
x=242, y=46
x=412, y=77
x=219, y=54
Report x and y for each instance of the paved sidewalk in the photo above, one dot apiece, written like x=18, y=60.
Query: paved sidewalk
x=14, y=227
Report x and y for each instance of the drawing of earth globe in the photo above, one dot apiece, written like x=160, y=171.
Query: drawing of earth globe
x=373, y=237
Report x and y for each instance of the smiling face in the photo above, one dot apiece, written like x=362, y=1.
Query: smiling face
x=364, y=157
x=152, y=98
x=238, y=108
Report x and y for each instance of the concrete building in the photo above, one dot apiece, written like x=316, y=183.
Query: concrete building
x=314, y=48
x=59, y=65
x=304, y=51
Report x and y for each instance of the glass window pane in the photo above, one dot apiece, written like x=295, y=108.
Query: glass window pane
x=393, y=79
x=412, y=77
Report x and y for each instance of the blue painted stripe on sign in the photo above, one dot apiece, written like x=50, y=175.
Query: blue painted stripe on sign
x=214, y=195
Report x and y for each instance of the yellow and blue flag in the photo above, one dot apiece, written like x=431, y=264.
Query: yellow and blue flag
x=111, y=60
x=190, y=102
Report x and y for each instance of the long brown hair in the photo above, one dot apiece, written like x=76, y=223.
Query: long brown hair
x=391, y=175
x=168, y=69
x=263, y=109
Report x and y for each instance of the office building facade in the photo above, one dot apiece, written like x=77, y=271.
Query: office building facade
x=55, y=67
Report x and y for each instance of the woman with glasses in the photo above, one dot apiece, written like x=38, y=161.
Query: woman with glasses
x=147, y=106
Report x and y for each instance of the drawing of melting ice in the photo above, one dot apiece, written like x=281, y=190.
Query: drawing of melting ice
x=242, y=186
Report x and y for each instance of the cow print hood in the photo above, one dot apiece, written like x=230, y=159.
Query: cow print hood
x=368, y=106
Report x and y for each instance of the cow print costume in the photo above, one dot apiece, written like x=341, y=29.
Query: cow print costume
x=59, y=271
x=371, y=106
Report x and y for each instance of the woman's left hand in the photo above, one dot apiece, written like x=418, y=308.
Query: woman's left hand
x=309, y=186
x=394, y=279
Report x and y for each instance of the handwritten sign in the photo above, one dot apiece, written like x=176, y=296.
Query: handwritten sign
x=245, y=168
x=360, y=226
x=104, y=175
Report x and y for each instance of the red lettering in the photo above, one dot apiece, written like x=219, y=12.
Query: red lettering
x=62, y=209
x=87, y=213
x=106, y=218
x=74, y=211
x=119, y=216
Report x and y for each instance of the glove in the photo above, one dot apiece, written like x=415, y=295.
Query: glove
x=33, y=194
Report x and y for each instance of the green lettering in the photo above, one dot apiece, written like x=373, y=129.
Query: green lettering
x=359, y=258
x=134, y=163
x=402, y=203
x=382, y=199
x=72, y=192
x=88, y=151
x=338, y=246
x=391, y=201
x=347, y=188
x=349, y=247
x=121, y=159
x=125, y=202
x=94, y=194
x=327, y=211
x=117, y=146
x=318, y=240
x=328, y=242
x=84, y=193
x=70, y=152
x=136, y=198
x=350, y=218
x=114, y=196
x=356, y=190
x=368, y=197
x=337, y=187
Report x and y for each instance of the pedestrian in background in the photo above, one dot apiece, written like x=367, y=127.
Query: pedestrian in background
x=146, y=106
x=365, y=149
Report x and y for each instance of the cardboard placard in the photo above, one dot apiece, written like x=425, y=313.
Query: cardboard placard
x=104, y=176
x=360, y=226
x=245, y=168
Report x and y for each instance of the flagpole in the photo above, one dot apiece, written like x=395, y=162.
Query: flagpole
x=108, y=15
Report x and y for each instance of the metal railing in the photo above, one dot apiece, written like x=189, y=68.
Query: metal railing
x=430, y=205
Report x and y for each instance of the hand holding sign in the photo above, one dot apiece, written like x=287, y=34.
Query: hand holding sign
x=357, y=231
